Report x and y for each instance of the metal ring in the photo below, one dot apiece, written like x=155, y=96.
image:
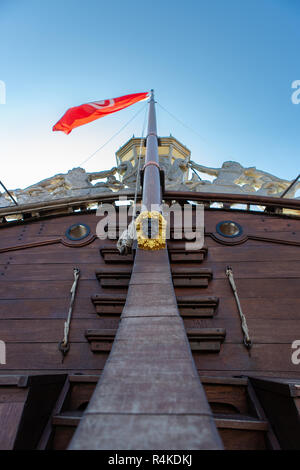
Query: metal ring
x=238, y=226
x=70, y=237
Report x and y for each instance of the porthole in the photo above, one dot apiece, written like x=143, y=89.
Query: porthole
x=78, y=231
x=228, y=228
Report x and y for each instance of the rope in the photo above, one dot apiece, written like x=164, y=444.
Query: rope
x=114, y=135
x=247, y=340
x=138, y=168
x=193, y=169
x=64, y=344
x=126, y=239
x=182, y=123
x=10, y=195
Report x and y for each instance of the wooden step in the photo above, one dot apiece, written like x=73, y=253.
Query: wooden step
x=107, y=304
x=112, y=277
x=80, y=392
x=234, y=398
x=100, y=340
x=206, y=339
x=182, y=276
x=201, y=339
x=227, y=395
x=181, y=255
x=242, y=432
x=190, y=276
x=112, y=256
x=67, y=418
x=64, y=426
x=237, y=432
x=198, y=306
x=240, y=422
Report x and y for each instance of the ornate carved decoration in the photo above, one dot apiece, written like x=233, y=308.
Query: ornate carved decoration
x=174, y=159
x=230, y=178
x=151, y=221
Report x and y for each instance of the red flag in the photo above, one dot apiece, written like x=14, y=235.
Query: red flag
x=88, y=112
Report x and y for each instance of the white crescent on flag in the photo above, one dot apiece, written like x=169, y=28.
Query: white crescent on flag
x=88, y=112
x=102, y=104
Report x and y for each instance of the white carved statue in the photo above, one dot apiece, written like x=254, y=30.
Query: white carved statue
x=233, y=177
x=74, y=183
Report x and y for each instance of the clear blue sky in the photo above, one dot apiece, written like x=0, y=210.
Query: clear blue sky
x=224, y=68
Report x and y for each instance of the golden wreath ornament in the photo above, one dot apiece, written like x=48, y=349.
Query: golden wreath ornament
x=144, y=242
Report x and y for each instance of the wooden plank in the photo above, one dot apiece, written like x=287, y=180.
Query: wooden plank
x=259, y=269
x=45, y=308
x=264, y=307
x=53, y=254
x=262, y=329
x=241, y=424
x=271, y=438
x=251, y=288
x=225, y=397
x=72, y=370
x=12, y=394
x=45, y=438
x=235, y=439
x=248, y=373
x=10, y=414
x=45, y=289
x=66, y=420
x=46, y=356
x=238, y=382
x=260, y=222
x=80, y=395
x=17, y=380
x=50, y=330
x=281, y=411
x=86, y=378
x=252, y=251
x=235, y=357
x=47, y=272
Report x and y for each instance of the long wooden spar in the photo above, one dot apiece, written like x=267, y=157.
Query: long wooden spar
x=149, y=395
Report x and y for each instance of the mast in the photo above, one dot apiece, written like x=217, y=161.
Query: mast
x=152, y=191
x=151, y=225
x=149, y=396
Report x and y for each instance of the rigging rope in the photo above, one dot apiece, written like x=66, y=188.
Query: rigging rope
x=64, y=344
x=126, y=239
x=247, y=340
x=138, y=168
x=182, y=123
x=114, y=135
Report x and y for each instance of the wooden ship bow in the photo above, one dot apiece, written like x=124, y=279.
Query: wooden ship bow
x=139, y=338
x=149, y=395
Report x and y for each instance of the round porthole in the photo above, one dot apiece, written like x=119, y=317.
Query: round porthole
x=228, y=228
x=78, y=231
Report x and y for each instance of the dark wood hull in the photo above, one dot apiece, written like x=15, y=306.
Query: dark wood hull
x=36, y=272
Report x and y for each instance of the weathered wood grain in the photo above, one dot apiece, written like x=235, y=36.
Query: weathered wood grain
x=46, y=356
x=50, y=330
x=235, y=357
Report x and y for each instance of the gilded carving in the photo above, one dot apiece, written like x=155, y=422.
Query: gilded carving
x=143, y=230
